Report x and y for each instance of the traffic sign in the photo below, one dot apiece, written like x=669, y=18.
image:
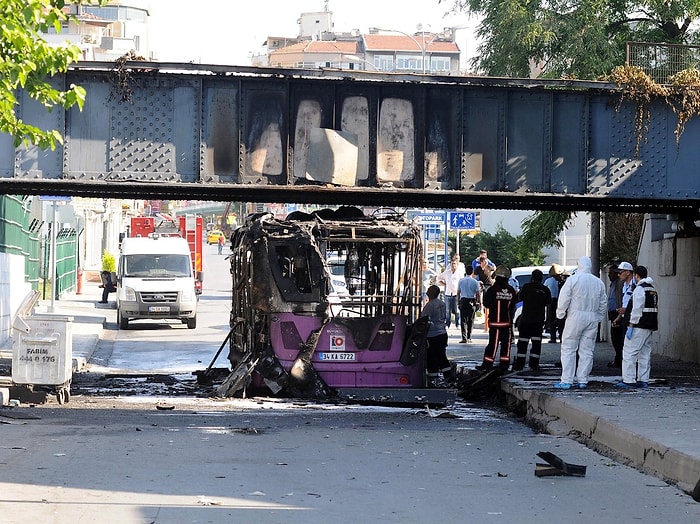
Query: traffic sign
x=431, y=218
x=463, y=220
x=58, y=198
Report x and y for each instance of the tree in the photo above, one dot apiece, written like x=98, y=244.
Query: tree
x=542, y=228
x=622, y=234
x=571, y=38
x=503, y=248
x=580, y=39
x=28, y=62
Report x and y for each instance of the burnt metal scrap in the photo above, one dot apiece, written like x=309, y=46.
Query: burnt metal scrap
x=473, y=383
x=555, y=466
x=286, y=304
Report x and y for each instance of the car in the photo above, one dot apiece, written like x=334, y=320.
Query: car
x=522, y=276
x=213, y=236
x=336, y=265
x=440, y=257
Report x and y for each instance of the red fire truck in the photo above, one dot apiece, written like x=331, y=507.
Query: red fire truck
x=189, y=227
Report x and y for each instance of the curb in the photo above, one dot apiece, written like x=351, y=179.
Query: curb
x=556, y=416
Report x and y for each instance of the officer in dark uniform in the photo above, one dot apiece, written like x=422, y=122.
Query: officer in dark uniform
x=535, y=297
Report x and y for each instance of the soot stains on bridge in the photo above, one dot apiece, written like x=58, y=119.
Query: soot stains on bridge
x=339, y=137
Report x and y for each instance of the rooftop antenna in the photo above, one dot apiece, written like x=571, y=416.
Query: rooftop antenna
x=326, y=7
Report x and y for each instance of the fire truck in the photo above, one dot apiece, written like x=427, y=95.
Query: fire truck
x=189, y=227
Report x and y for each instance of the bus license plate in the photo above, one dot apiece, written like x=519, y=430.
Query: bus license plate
x=159, y=309
x=337, y=356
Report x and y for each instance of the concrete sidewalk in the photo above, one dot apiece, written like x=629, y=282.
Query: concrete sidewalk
x=656, y=430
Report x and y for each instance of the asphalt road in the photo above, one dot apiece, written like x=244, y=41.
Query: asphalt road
x=167, y=346
x=123, y=460
x=156, y=458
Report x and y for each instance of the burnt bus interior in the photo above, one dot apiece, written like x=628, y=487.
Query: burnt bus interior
x=288, y=266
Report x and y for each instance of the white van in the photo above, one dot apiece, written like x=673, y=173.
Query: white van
x=155, y=280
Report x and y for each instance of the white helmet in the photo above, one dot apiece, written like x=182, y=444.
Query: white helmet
x=625, y=266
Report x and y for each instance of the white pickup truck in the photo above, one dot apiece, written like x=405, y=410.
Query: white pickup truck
x=155, y=281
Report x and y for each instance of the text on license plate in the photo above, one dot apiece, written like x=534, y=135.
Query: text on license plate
x=337, y=356
x=159, y=309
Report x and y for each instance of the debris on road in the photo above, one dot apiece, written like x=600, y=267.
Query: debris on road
x=556, y=466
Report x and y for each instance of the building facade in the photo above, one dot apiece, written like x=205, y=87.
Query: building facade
x=104, y=33
x=380, y=50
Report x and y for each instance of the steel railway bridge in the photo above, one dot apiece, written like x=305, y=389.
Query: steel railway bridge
x=185, y=131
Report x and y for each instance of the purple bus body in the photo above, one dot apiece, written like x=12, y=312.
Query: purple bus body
x=348, y=366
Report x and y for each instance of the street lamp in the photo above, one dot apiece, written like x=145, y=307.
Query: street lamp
x=421, y=47
x=355, y=58
x=450, y=33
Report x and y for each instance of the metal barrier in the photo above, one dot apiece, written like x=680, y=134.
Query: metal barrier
x=660, y=61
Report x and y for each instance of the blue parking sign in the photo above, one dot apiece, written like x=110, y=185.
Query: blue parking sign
x=431, y=218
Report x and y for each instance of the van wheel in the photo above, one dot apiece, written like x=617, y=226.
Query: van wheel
x=123, y=322
x=192, y=323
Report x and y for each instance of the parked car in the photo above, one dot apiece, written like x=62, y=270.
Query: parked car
x=336, y=265
x=431, y=257
x=523, y=276
x=213, y=236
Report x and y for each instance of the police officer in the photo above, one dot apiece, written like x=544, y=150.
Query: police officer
x=642, y=320
x=617, y=331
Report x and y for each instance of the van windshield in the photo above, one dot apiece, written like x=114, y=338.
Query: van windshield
x=166, y=265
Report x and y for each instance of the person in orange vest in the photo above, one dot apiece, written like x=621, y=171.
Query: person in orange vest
x=500, y=299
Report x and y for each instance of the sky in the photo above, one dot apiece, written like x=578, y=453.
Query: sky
x=228, y=32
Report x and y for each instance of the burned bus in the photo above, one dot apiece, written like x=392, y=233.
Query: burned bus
x=325, y=302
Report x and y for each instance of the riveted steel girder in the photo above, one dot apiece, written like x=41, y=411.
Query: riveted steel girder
x=340, y=137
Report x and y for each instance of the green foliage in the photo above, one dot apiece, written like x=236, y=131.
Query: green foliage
x=28, y=62
x=502, y=248
x=542, y=228
x=571, y=38
x=109, y=263
x=622, y=234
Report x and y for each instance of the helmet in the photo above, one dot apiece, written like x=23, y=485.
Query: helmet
x=556, y=269
x=502, y=271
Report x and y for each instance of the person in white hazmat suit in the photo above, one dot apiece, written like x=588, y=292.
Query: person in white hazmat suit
x=583, y=301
